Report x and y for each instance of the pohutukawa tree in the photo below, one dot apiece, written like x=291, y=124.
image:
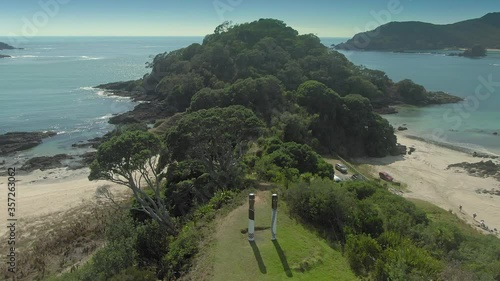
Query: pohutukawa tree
x=131, y=159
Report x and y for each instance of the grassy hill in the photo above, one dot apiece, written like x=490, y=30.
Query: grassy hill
x=400, y=36
x=297, y=254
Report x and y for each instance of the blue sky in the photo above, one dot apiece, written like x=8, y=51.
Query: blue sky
x=333, y=18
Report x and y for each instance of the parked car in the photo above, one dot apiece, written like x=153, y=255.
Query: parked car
x=341, y=168
x=357, y=177
x=385, y=176
x=337, y=179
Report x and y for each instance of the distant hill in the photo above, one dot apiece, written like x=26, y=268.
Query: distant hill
x=404, y=36
x=4, y=46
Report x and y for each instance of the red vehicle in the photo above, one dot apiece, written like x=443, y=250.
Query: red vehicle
x=385, y=176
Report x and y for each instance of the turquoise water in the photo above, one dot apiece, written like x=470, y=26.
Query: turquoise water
x=48, y=85
x=470, y=124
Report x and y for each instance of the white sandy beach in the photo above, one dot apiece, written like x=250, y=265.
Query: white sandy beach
x=426, y=174
x=41, y=194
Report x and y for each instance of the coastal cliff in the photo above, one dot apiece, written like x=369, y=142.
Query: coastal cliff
x=408, y=36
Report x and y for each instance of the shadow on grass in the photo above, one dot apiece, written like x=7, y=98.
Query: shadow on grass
x=257, y=228
x=258, y=257
x=283, y=259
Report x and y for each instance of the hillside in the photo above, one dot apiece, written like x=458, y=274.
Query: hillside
x=297, y=254
x=406, y=36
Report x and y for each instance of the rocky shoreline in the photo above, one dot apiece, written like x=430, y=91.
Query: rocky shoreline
x=14, y=142
x=481, y=169
x=149, y=109
x=18, y=141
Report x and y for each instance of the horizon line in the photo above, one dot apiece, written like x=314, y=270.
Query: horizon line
x=186, y=36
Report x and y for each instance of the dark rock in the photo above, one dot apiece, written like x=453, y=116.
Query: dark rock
x=480, y=169
x=401, y=128
x=84, y=161
x=94, y=143
x=88, y=158
x=484, y=155
x=45, y=162
x=4, y=56
x=18, y=141
x=495, y=133
x=399, y=150
x=442, y=98
x=143, y=113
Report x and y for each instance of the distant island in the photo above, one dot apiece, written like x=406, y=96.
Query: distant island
x=4, y=46
x=414, y=36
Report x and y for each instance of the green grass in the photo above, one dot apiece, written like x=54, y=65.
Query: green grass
x=438, y=215
x=297, y=254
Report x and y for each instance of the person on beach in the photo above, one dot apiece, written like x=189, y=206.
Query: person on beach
x=474, y=216
x=460, y=208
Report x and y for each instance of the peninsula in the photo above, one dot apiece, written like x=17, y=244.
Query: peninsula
x=414, y=36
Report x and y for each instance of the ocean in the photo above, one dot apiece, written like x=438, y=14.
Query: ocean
x=48, y=86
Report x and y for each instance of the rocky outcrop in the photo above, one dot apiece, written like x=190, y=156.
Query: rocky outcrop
x=18, y=141
x=143, y=113
x=481, y=169
x=399, y=150
x=4, y=56
x=130, y=89
x=94, y=143
x=484, y=155
x=46, y=163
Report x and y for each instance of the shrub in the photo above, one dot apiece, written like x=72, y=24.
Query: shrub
x=362, y=253
x=134, y=274
x=182, y=250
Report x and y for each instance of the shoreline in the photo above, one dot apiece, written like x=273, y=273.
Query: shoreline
x=428, y=178
x=43, y=194
x=452, y=146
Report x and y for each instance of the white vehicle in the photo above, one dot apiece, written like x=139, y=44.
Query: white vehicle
x=337, y=179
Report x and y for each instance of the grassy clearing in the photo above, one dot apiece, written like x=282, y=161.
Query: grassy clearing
x=297, y=254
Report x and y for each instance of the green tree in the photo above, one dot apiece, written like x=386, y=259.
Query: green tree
x=218, y=137
x=363, y=87
x=130, y=159
x=411, y=93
